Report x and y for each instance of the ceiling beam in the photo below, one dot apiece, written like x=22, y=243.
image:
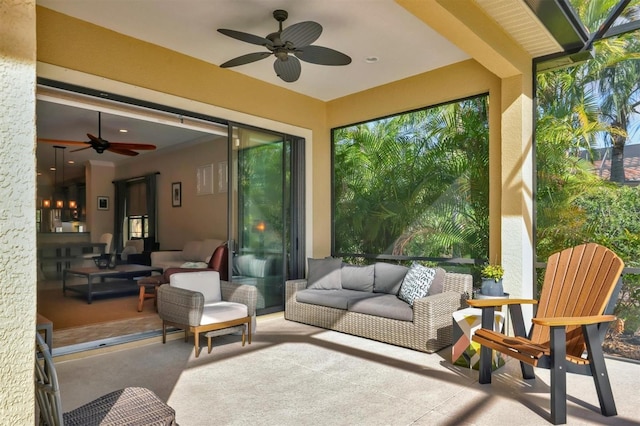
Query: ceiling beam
x=466, y=25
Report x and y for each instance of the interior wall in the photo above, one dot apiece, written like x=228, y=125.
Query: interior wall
x=200, y=216
x=99, y=175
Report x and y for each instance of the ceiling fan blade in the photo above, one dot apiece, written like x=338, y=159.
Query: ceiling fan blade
x=322, y=56
x=288, y=70
x=122, y=151
x=246, y=37
x=245, y=59
x=301, y=34
x=136, y=146
x=61, y=142
x=82, y=149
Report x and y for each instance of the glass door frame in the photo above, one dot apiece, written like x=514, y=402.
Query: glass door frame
x=293, y=202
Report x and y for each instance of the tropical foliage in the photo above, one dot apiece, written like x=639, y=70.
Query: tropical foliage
x=415, y=184
x=588, y=114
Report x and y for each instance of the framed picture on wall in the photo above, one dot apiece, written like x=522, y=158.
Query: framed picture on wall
x=204, y=176
x=103, y=203
x=176, y=194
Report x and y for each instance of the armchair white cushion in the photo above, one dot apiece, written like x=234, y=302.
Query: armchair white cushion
x=198, y=302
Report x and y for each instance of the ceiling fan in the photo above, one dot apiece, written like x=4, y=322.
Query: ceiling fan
x=295, y=39
x=101, y=145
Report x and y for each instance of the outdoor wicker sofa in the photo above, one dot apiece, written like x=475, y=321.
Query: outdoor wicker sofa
x=427, y=328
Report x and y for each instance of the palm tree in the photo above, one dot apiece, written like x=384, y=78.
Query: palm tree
x=568, y=125
x=615, y=74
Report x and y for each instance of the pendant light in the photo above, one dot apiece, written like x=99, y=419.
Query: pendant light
x=58, y=192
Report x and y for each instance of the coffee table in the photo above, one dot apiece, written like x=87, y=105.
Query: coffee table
x=125, y=284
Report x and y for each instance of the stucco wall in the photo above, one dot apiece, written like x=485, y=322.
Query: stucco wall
x=17, y=220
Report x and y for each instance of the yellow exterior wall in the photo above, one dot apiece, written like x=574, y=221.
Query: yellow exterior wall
x=17, y=219
x=77, y=45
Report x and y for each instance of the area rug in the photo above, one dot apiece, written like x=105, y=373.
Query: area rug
x=74, y=311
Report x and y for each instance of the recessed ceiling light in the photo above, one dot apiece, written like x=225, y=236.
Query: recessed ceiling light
x=53, y=169
x=71, y=162
x=371, y=59
x=123, y=130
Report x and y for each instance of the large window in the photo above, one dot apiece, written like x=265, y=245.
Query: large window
x=414, y=185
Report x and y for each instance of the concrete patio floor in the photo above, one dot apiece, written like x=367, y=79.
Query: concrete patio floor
x=294, y=374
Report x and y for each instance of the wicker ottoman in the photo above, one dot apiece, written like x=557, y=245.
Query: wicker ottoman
x=224, y=331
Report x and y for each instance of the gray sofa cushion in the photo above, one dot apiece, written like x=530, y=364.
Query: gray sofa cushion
x=388, y=278
x=324, y=274
x=386, y=306
x=339, y=299
x=357, y=277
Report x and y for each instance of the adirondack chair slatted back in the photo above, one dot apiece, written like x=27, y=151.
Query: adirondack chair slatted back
x=578, y=281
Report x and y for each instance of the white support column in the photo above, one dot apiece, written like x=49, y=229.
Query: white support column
x=517, y=188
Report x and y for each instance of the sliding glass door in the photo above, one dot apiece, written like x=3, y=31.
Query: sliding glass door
x=266, y=203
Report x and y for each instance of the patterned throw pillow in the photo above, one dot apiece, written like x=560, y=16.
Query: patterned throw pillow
x=416, y=283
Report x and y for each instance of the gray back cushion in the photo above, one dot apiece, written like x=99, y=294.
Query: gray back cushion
x=437, y=285
x=358, y=277
x=388, y=278
x=324, y=274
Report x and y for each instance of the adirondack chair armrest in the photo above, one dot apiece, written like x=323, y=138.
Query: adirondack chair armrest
x=484, y=303
x=560, y=321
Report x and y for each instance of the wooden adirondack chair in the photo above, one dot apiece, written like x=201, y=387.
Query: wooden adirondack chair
x=578, y=295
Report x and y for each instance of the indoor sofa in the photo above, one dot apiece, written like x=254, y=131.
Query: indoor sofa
x=194, y=254
x=409, y=307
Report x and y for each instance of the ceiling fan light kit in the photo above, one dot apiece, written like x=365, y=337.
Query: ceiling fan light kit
x=289, y=46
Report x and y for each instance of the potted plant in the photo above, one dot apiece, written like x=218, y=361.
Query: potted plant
x=492, y=280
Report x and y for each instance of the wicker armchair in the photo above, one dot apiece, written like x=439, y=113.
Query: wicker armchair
x=128, y=406
x=199, y=302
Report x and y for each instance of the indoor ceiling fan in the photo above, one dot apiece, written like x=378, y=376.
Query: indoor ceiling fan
x=295, y=39
x=101, y=145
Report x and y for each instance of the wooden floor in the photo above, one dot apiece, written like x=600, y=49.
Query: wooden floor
x=105, y=330
x=133, y=323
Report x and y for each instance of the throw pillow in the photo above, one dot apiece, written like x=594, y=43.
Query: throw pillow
x=194, y=265
x=357, y=277
x=324, y=274
x=416, y=283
